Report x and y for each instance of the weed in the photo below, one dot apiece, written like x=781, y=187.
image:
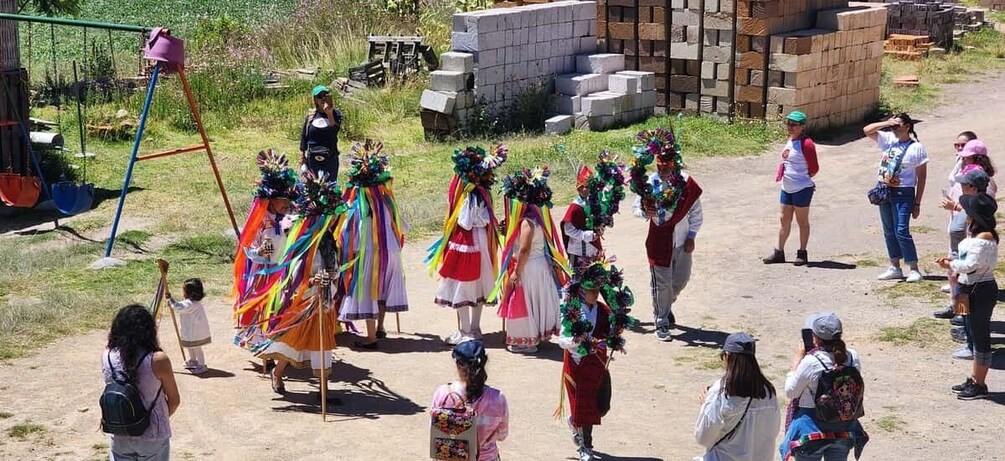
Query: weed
x=22, y=431
x=5, y=414
x=890, y=423
x=99, y=446
x=922, y=229
x=866, y=263
x=923, y=332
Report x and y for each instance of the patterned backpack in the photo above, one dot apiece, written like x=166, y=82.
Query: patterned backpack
x=839, y=394
x=453, y=434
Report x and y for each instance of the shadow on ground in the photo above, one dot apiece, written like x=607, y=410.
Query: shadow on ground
x=366, y=398
x=18, y=219
x=830, y=265
x=697, y=337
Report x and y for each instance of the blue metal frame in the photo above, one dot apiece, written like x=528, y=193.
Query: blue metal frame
x=132, y=158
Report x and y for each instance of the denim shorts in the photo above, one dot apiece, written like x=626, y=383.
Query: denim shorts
x=799, y=199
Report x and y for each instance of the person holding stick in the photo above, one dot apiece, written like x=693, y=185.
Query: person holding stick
x=375, y=233
x=194, y=332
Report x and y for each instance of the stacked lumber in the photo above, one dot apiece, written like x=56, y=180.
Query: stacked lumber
x=831, y=73
x=912, y=47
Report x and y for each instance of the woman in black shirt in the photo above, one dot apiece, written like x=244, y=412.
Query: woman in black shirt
x=319, y=136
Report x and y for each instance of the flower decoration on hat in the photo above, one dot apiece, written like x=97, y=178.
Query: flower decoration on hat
x=529, y=186
x=605, y=191
x=599, y=274
x=476, y=166
x=658, y=145
x=369, y=165
x=278, y=179
x=319, y=195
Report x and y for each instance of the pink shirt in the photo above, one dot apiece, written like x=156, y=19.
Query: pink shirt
x=492, y=419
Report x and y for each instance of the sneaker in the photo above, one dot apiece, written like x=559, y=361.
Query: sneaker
x=200, y=369
x=963, y=353
x=946, y=289
x=801, y=258
x=914, y=277
x=455, y=338
x=663, y=334
x=973, y=391
x=946, y=313
x=959, y=387
x=586, y=454
x=521, y=349
x=958, y=321
x=893, y=273
x=190, y=364
x=776, y=257
x=959, y=334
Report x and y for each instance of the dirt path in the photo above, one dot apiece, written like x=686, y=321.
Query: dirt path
x=231, y=412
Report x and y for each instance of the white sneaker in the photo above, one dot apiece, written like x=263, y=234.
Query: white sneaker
x=455, y=338
x=893, y=273
x=522, y=349
x=200, y=369
x=190, y=364
x=914, y=277
x=946, y=288
x=963, y=353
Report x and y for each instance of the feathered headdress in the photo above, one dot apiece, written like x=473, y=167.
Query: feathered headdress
x=476, y=166
x=369, y=165
x=319, y=196
x=278, y=179
x=529, y=186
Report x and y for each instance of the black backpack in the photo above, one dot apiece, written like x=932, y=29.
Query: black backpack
x=839, y=394
x=122, y=409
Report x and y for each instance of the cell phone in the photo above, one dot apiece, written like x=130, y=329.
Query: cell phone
x=945, y=193
x=808, y=339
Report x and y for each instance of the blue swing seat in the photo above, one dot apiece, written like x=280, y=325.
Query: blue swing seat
x=70, y=198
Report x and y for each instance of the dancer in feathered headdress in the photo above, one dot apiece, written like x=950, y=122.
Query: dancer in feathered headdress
x=305, y=293
x=467, y=253
x=600, y=195
x=262, y=242
x=534, y=267
x=669, y=199
x=591, y=330
x=374, y=234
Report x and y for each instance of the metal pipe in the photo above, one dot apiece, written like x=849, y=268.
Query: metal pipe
x=75, y=22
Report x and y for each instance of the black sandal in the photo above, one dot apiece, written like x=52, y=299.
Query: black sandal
x=381, y=334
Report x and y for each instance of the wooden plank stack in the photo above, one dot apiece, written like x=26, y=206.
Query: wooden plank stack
x=912, y=47
x=831, y=73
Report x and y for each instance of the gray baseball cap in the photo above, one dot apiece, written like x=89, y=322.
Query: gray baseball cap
x=826, y=325
x=974, y=177
x=739, y=343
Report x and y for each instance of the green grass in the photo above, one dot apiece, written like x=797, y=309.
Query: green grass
x=700, y=358
x=23, y=431
x=5, y=414
x=890, y=423
x=980, y=53
x=866, y=263
x=923, y=332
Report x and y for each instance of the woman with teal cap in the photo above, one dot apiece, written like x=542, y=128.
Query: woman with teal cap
x=319, y=136
x=795, y=172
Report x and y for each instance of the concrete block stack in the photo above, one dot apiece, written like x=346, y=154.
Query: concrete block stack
x=933, y=18
x=509, y=51
x=831, y=73
x=602, y=95
x=967, y=20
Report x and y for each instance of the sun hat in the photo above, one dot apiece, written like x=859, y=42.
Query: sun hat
x=826, y=325
x=320, y=89
x=739, y=343
x=980, y=208
x=974, y=147
x=973, y=175
x=797, y=116
x=470, y=352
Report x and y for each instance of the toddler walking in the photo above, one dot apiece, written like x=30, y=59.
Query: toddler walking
x=194, y=325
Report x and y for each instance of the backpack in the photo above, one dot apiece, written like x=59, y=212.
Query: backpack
x=122, y=409
x=453, y=432
x=839, y=394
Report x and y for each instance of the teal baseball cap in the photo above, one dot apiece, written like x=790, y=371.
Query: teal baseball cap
x=797, y=117
x=320, y=89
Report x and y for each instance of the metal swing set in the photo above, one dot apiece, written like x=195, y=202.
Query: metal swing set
x=168, y=55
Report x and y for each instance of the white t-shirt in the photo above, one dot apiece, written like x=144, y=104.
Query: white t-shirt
x=797, y=168
x=912, y=154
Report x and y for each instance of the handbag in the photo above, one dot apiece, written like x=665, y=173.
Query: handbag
x=881, y=194
x=453, y=434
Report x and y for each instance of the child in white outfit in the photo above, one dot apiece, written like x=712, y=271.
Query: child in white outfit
x=194, y=325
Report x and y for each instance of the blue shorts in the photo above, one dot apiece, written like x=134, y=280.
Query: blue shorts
x=799, y=199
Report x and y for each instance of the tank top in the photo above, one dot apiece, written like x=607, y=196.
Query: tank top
x=148, y=385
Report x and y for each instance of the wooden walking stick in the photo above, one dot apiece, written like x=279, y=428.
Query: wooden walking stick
x=322, y=301
x=164, y=274
x=397, y=322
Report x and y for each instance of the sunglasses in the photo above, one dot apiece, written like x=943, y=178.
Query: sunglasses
x=959, y=145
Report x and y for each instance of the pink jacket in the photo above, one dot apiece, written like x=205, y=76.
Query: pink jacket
x=493, y=417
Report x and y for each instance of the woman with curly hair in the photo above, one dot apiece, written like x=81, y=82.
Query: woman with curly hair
x=134, y=351
x=534, y=264
x=488, y=403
